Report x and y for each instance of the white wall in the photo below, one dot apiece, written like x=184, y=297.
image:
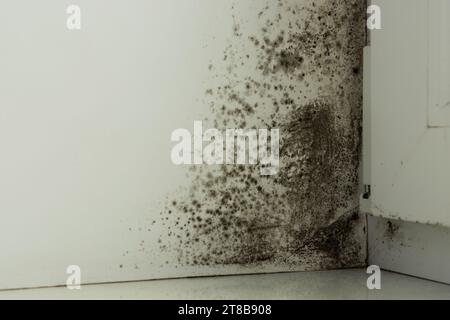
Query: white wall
x=85, y=124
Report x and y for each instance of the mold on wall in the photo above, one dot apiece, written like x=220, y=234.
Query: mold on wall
x=299, y=71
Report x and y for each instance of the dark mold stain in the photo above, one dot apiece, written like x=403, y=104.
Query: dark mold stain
x=307, y=82
x=391, y=229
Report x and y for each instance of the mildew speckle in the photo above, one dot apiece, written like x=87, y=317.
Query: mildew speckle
x=391, y=229
x=301, y=73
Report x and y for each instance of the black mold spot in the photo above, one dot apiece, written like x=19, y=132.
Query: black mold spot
x=391, y=230
x=331, y=239
x=307, y=82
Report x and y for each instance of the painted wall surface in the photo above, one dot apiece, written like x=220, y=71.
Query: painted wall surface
x=86, y=118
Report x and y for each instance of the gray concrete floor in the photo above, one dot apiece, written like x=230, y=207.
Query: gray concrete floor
x=342, y=284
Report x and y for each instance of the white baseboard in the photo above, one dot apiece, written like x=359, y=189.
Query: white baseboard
x=410, y=248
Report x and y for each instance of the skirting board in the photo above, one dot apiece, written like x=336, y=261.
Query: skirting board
x=410, y=248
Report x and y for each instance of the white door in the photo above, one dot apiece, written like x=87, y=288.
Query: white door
x=407, y=115
x=410, y=111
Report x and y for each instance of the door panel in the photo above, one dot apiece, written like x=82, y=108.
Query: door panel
x=439, y=63
x=410, y=145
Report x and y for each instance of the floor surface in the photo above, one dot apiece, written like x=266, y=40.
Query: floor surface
x=343, y=284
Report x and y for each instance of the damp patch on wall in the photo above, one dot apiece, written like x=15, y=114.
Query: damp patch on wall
x=299, y=70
